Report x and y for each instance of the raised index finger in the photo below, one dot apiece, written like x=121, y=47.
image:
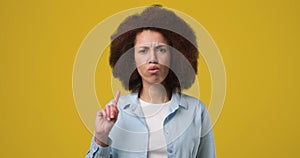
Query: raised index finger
x=116, y=99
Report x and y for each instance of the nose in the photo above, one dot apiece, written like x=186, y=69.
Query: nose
x=153, y=57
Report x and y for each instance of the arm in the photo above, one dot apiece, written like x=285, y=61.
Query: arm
x=206, y=148
x=104, y=122
x=98, y=151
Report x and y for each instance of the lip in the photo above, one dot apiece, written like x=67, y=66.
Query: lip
x=153, y=69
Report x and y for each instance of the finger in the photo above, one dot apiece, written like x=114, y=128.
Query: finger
x=116, y=99
x=107, y=111
x=101, y=113
x=112, y=112
x=116, y=112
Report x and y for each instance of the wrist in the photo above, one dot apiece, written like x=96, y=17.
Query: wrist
x=101, y=141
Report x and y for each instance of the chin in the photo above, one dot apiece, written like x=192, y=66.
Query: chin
x=156, y=81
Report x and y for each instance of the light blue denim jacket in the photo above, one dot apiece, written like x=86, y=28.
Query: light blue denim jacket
x=187, y=130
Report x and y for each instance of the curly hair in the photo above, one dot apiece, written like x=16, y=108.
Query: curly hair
x=180, y=38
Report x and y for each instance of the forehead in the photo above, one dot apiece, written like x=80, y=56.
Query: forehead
x=147, y=37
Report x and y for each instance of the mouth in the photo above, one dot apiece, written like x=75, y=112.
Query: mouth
x=153, y=69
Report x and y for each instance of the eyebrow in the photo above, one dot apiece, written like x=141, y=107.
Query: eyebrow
x=158, y=46
x=144, y=47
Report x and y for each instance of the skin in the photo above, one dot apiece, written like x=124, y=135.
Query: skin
x=152, y=52
x=152, y=59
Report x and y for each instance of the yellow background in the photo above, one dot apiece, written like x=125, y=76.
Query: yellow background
x=258, y=40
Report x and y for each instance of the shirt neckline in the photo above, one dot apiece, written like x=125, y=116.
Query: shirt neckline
x=144, y=103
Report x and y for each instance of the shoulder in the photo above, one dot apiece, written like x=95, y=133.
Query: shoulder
x=191, y=101
x=199, y=109
x=125, y=100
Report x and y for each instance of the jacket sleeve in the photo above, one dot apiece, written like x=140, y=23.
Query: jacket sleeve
x=206, y=148
x=97, y=151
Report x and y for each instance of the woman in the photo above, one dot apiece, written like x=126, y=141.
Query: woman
x=155, y=55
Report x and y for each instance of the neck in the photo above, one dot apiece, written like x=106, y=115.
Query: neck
x=154, y=93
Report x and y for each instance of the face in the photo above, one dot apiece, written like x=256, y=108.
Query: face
x=152, y=56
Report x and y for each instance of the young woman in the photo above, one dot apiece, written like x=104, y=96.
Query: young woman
x=155, y=55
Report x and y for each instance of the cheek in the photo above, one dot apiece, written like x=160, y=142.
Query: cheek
x=165, y=71
x=139, y=60
x=142, y=70
x=165, y=60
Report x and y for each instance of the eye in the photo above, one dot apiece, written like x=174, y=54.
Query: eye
x=162, y=49
x=142, y=50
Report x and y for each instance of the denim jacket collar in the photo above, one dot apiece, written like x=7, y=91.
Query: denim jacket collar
x=132, y=104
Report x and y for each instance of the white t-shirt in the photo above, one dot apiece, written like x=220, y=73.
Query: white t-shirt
x=155, y=115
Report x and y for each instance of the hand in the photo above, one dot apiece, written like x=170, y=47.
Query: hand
x=105, y=120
